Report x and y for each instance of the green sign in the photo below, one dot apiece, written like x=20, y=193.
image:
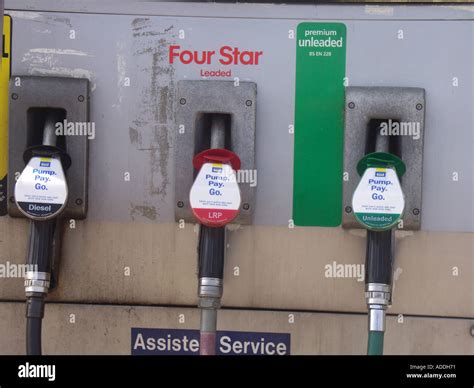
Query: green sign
x=319, y=124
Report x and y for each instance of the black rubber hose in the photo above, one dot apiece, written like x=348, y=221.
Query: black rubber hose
x=39, y=259
x=34, y=317
x=33, y=337
x=379, y=257
x=211, y=252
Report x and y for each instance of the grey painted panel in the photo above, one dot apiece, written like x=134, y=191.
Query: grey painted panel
x=274, y=77
x=132, y=123
x=429, y=57
x=135, y=124
x=267, y=11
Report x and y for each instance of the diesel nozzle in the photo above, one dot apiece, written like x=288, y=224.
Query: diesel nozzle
x=41, y=195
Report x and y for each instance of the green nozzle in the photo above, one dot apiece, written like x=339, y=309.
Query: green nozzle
x=381, y=159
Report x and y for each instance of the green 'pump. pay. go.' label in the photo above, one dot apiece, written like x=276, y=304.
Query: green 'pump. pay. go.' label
x=378, y=200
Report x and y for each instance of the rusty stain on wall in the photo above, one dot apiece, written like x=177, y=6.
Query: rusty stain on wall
x=153, y=127
x=134, y=135
x=143, y=211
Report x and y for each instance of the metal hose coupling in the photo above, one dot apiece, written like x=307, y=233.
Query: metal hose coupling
x=210, y=292
x=378, y=297
x=37, y=282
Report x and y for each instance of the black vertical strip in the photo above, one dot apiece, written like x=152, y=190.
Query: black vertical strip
x=3, y=195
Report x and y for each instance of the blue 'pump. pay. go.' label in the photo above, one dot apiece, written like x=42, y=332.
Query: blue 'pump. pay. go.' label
x=186, y=342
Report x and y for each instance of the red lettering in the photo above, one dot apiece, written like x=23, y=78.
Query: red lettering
x=205, y=57
x=172, y=53
x=257, y=56
x=186, y=57
x=233, y=56
x=228, y=56
x=224, y=52
x=247, y=58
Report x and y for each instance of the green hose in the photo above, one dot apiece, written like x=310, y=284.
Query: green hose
x=375, y=343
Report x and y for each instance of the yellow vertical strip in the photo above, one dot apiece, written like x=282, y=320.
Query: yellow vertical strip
x=4, y=79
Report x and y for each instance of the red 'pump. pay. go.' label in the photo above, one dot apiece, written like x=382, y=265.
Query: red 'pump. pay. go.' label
x=215, y=194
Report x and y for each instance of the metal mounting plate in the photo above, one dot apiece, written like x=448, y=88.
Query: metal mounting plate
x=200, y=97
x=397, y=103
x=70, y=94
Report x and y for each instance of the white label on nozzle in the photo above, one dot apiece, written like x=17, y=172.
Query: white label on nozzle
x=215, y=194
x=378, y=200
x=41, y=190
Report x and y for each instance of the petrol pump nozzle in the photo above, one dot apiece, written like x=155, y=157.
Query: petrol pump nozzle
x=379, y=252
x=215, y=201
x=41, y=195
x=378, y=204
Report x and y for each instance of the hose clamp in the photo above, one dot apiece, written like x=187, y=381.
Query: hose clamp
x=37, y=282
x=378, y=294
x=210, y=288
x=378, y=297
x=210, y=293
